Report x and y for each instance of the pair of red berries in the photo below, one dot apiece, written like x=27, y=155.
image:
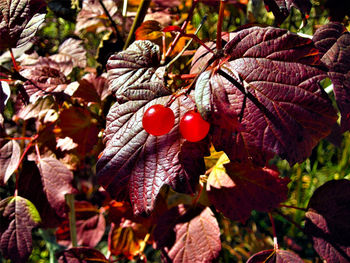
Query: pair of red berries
x=159, y=120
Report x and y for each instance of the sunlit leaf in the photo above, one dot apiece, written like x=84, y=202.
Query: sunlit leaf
x=10, y=153
x=19, y=21
x=18, y=217
x=269, y=82
x=196, y=236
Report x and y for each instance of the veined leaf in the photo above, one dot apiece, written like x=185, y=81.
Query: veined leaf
x=18, y=217
x=10, y=154
x=19, y=21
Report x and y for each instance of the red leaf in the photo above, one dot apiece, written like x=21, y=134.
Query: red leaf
x=92, y=88
x=197, y=238
x=56, y=180
x=18, y=216
x=240, y=188
x=280, y=114
x=19, y=21
x=81, y=255
x=334, y=42
x=135, y=163
x=44, y=77
x=277, y=256
x=327, y=221
x=78, y=124
x=10, y=154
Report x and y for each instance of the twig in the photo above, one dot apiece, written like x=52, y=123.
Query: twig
x=183, y=27
x=219, y=25
x=140, y=15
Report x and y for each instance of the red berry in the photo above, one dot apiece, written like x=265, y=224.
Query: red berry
x=158, y=120
x=192, y=126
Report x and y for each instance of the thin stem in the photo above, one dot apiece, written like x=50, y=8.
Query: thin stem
x=275, y=243
x=183, y=27
x=15, y=66
x=188, y=44
x=72, y=219
x=140, y=15
x=114, y=25
x=295, y=207
x=290, y=220
x=125, y=7
x=219, y=25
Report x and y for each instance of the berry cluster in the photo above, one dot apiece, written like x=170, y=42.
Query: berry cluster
x=159, y=120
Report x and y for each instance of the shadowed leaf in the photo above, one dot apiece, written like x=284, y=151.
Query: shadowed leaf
x=282, y=8
x=19, y=21
x=81, y=255
x=235, y=189
x=10, y=154
x=18, y=217
x=334, y=42
x=327, y=221
x=78, y=124
x=92, y=88
x=277, y=256
x=30, y=186
x=57, y=182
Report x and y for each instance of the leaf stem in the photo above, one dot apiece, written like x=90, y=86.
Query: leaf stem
x=219, y=25
x=114, y=25
x=15, y=66
x=183, y=27
x=187, y=45
x=295, y=207
x=290, y=220
x=140, y=15
x=275, y=243
x=72, y=220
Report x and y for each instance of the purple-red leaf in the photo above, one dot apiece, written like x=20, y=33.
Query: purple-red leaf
x=281, y=8
x=235, y=189
x=19, y=21
x=75, y=50
x=10, y=154
x=327, y=221
x=81, y=255
x=275, y=256
x=137, y=164
x=269, y=83
x=92, y=88
x=137, y=64
x=18, y=216
x=334, y=43
x=57, y=182
x=196, y=236
x=44, y=77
